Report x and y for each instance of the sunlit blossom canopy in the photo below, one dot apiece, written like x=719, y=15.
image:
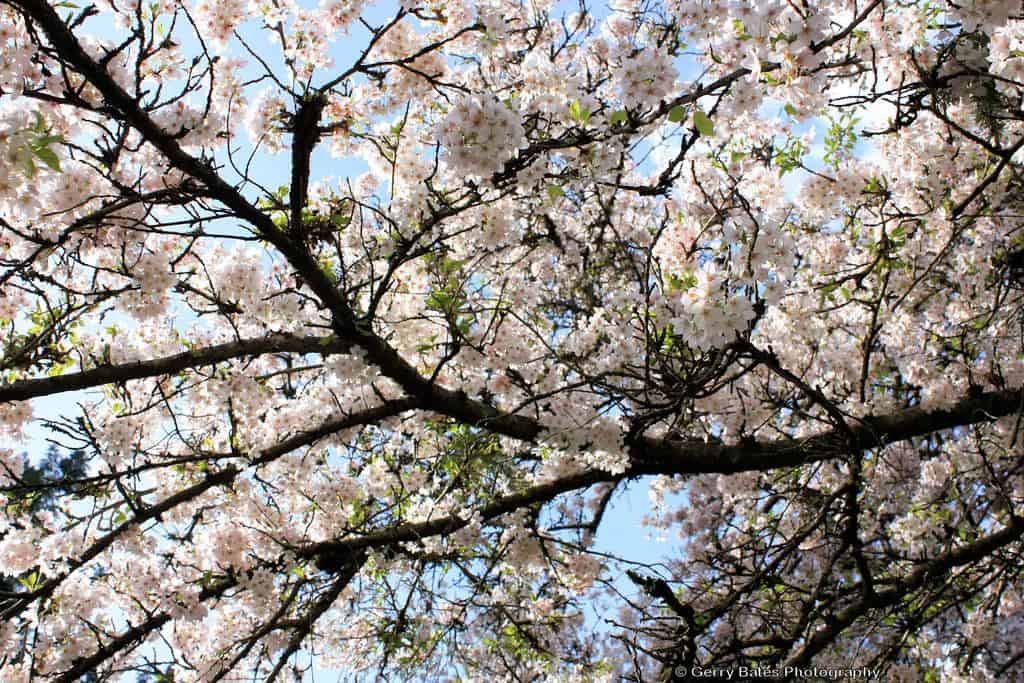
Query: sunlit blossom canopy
x=510, y=340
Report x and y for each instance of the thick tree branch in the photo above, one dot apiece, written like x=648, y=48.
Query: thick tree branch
x=305, y=135
x=135, y=635
x=666, y=457
x=108, y=374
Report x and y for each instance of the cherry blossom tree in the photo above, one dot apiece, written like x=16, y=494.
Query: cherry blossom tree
x=365, y=317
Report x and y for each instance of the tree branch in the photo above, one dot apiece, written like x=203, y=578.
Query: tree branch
x=276, y=343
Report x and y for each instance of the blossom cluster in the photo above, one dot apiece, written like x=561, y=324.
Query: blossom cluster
x=480, y=134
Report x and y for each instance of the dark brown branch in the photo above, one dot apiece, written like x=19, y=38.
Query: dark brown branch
x=134, y=635
x=929, y=571
x=666, y=457
x=276, y=343
x=305, y=135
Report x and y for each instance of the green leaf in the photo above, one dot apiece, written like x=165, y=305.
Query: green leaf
x=47, y=140
x=439, y=300
x=59, y=368
x=790, y=109
x=554, y=192
x=676, y=114
x=578, y=112
x=48, y=157
x=620, y=117
x=31, y=582
x=681, y=283
x=703, y=124
x=840, y=140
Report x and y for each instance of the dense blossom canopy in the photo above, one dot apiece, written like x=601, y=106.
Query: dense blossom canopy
x=363, y=316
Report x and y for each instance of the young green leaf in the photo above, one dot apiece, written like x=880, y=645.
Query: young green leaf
x=48, y=157
x=703, y=124
x=578, y=112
